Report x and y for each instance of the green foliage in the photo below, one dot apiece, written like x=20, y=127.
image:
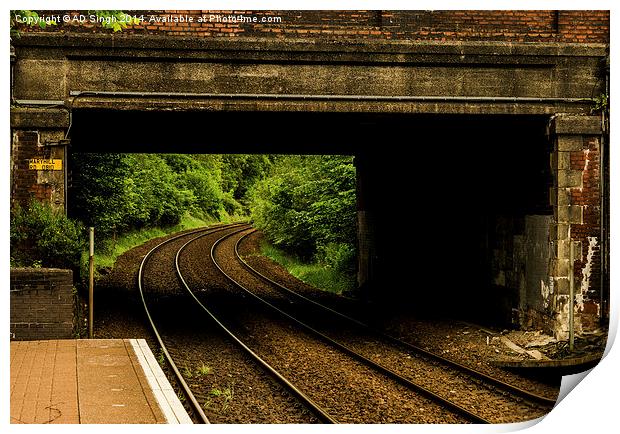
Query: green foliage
x=106, y=203
x=601, y=103
x=339, y=256
x=242, y=171
x=336, y=279
x=157, y=195
x=304, y=204
x=136, y=191
x=307, y=207
x=187, y=372
x=41, y=236
x=161, y=358
x=108, y=250
x=207, y=194
x=114, y=20
x=203, y=370
x=220, y=399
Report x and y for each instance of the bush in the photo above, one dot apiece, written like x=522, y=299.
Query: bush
x=306, y=206
x=339, y=256
x=207, y=193
x=43, y=237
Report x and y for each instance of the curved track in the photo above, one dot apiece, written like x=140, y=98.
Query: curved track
x=384, y=371
x=195, y=405
x=196, y=400
x=425, y=370
x=335, y=344
x=515, y=390
x=298, y=393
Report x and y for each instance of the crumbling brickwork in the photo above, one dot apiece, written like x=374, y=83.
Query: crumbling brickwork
x=587, y=259
x=27, y=183
x=576, y=201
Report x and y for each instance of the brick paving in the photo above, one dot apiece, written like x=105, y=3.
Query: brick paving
x=88, y=382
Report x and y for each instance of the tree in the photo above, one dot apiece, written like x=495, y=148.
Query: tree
x=307, y=206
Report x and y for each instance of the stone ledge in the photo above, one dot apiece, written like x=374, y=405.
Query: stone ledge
x=31, y=117
x=571, y=124
x=185, y=43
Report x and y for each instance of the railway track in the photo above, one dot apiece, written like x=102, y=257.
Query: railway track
x=429, y=373
x=404, y=375
x=177, y=338
x=196, y=407
x=448, y=363
x=350, y=362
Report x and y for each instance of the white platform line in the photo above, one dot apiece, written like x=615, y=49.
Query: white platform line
x=167, y=400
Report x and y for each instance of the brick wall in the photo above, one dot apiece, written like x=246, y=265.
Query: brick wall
x=472, y=25
x=24, y=184
x=41, y=303
x=587, y=258
x=27, y=184
x=576, y=165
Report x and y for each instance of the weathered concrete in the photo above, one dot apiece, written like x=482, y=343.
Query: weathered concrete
x=535, y=291
x=50, y=66
x=35, y=118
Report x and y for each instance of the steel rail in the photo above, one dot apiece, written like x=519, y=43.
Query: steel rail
x=323, y=415
x=186, y=390
x=357, y=356
x=463, y=368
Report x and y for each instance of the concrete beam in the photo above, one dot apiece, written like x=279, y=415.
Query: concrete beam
x=571, y=124
x=531, y=78
x=31, y=117
x=261, y=46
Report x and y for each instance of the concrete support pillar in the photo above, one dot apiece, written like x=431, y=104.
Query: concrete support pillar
x=575, y=165
x=365, y=225
x=38, y=139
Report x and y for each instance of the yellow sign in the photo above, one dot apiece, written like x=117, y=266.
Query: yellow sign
x=44, y=164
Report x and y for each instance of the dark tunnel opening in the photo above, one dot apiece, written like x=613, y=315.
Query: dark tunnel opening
x=446, y=198
x=449, y=198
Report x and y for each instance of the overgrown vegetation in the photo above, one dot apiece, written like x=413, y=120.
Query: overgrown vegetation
x=314, y=274
x=137, y=191
x=219, y=400
x=43, y=237
x=110, y=249
x=114, y=20
x=306, y=206
x=137, y=197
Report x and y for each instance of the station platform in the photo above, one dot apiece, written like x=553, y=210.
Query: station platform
x=90, y=381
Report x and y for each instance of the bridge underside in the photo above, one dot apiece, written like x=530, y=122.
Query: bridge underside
x=447, y=204
x=287, y=132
